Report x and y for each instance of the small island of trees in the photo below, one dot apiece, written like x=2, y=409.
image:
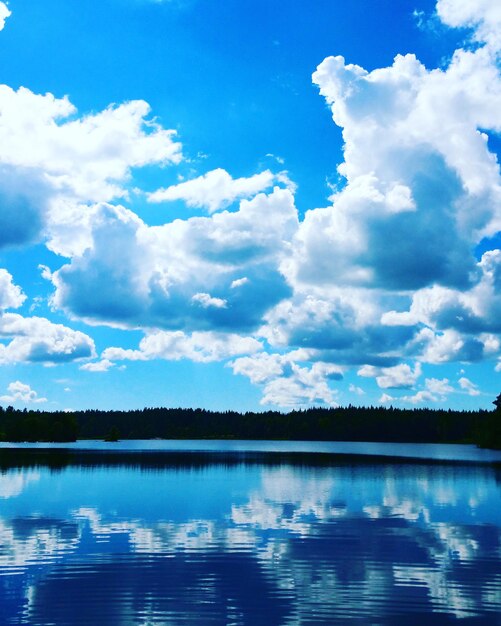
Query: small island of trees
x=349, y=423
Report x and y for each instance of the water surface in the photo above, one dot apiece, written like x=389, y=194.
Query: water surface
x=220, y=535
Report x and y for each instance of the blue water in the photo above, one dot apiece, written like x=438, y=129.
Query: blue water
x=428, y=451
x=163, y=533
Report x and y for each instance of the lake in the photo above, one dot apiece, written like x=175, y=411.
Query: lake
x=249, y=533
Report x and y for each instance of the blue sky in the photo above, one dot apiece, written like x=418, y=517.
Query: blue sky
x=250, y=205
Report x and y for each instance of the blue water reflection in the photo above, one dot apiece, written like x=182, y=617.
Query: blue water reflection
x=225, y=541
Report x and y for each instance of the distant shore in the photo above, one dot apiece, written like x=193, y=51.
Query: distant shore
x=378, y=424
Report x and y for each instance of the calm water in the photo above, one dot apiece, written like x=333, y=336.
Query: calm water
x=223, y=534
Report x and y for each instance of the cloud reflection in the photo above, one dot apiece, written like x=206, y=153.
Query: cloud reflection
x=305, y=545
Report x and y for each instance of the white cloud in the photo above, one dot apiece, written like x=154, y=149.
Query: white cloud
x=471, y=311
x=90, y=156
x=447, y=346
x=54, y=162
x=99, y=366
x=238, y=282
x=400, y=376
x=20, y=392
x=340, y=286
x=439, y=387
x=484, y=16
x=357, y=390
x=215, y=190
x=205, y=300
x=11, y=296
x=180, y=275
x=37, y=340
x=468, y=386
x=261, y=367
x=341, y=324
x=287, y=384
x=386, y=398
x=435, y=391
x=4, y=14
x=415, y=164
x=307, y=387
x=201, y=347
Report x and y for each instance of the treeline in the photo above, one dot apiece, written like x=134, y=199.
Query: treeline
x=321, y=424
x=24, y=425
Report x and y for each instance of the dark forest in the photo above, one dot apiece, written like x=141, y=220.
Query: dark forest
x=317, y=424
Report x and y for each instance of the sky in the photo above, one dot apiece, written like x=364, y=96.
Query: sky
x=250, y=205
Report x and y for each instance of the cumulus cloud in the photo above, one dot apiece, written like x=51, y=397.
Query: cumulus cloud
x=201, y=347
x=37, y=340
x=215, y=190
x=448, y=346
x=24, y=204
x=98, y=366
x=238, y=282
x=340, y=325
x=435, y=391
x=88, y=156
x=400, y=376
x=4, y=14
x=181, y=275
x=72, y=160
x=286, y=383
x=20, y=392
x=415, y=164
x=483, y=16
x=385, y=275
x=205, y=300
x=470, y=388
x=385, y=398
x=474, y=310
x=432, y=391
x=439, y=387
x=357, y=390
x=11, y=296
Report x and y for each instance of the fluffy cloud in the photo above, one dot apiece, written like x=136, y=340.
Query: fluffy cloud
x=435, y=391
x=398, y=377
x=384, y=275
x=470, y=388
x=72, y=160
x=484, y=16
x=24, y=204
x=439, y=387
x=214, y=190
x=415, y=164
x=182, y=274
x=472, y=311
x=4, y=14
x=449, y=345
x=37, y=340
x=19, y=392
x=411, y=165
x=202, y=347
x=453, y=324
x=286, y=383
x=206, y=301
x=89, y=157
x=98, y=366
x=11, y=296
x=338, y=325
